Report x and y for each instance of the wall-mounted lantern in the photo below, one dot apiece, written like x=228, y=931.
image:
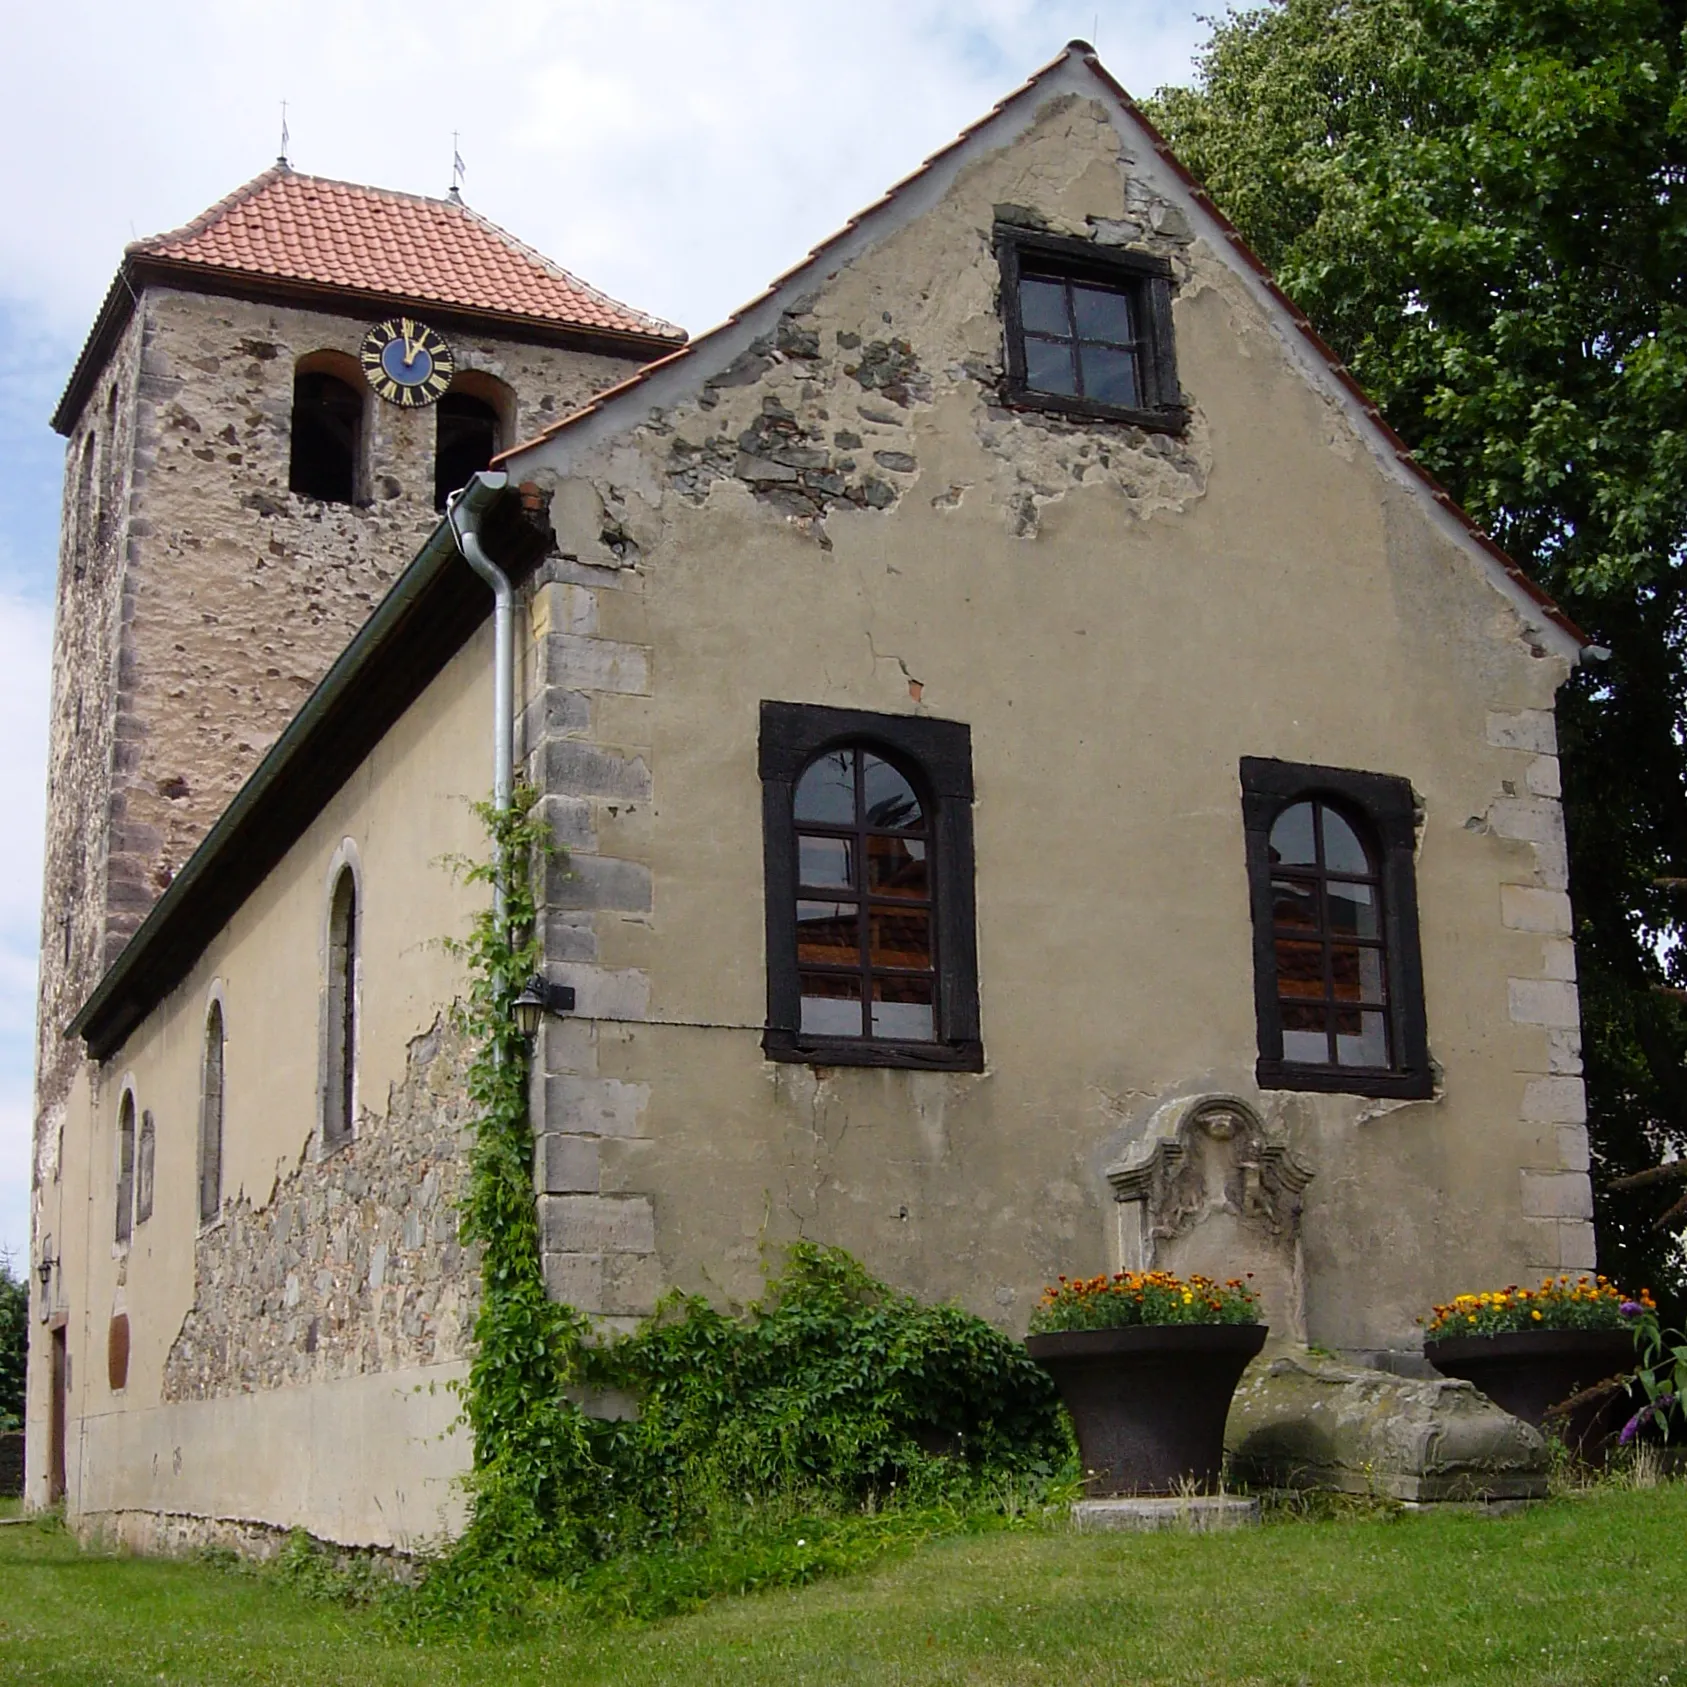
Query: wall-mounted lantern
x=539, y=997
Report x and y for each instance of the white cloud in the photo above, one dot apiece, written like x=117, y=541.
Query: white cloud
x=680, y=152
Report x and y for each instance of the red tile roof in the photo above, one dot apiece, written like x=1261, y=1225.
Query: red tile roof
x=287, y=227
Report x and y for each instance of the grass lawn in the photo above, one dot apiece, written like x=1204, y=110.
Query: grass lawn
x=1590, y=1591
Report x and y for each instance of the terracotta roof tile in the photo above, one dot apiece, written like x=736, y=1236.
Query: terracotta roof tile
x=288, y=227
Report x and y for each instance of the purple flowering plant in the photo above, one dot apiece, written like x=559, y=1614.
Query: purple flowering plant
x=1661, y=1373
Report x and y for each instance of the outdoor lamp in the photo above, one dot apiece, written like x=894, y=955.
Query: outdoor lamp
x=529, y=1006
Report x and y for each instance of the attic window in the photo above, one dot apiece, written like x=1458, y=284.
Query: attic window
x=1088, y=330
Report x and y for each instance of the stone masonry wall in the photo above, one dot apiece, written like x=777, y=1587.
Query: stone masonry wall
x=353, y=1264
x=1556, y=1194
x=200, y=601
x=93, y=540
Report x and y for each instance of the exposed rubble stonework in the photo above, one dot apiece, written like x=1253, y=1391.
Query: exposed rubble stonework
x=353, y=1264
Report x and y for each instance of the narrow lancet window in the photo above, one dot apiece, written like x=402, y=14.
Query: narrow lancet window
x=339, y=1109
x=126, y=1168
x=211, y=1119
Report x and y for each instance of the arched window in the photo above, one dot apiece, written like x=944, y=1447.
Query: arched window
x=868, y=834
x=211, y=1118
x=126, y=1167
x=327, y=435
x=339, y=1090
x=1337, y=973
x=865, y=941
x=467, y=441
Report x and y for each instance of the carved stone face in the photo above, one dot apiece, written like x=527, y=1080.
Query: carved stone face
x=1221, y=1124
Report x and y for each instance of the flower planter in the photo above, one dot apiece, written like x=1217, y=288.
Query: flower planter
x=1149, y=1401
x=1526, y=1372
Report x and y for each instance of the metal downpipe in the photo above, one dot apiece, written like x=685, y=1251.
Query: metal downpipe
x=465, y=520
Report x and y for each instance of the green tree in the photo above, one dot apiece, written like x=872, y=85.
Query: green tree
x=1482, y=204
x=14, y=1344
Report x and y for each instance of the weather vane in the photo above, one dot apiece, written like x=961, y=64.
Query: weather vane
x=286, y=139
x=458, y=168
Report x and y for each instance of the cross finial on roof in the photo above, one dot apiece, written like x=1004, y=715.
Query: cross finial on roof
x=286, y=139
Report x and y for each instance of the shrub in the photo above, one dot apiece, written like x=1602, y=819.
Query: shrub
x=828, y=1422
x=1142, y=1297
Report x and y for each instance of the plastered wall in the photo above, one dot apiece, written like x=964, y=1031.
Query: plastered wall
x=290, y=1360
x=839, y=511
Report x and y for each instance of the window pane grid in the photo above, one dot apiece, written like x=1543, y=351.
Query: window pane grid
x=1344, y=1021
x=1099, y=363
x=886, y=988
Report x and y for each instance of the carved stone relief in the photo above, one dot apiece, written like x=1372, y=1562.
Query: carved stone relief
x=1209, y=1193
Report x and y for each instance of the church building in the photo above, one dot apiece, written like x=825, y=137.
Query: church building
x=1045, y=783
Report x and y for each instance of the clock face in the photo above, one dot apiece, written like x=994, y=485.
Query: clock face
x=406, y=362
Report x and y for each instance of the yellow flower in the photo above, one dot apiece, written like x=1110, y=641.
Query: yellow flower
x=1536, y=1316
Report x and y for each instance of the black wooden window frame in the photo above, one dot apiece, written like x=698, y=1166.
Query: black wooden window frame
x=938, y=755
x=1385, y=807
x=1143, y=277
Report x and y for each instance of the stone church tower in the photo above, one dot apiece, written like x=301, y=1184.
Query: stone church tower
x=238, y=496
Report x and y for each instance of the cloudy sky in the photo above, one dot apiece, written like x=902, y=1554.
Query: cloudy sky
x=677, y=153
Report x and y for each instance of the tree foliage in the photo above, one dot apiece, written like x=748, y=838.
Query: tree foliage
x=14, y=1345
x=1482, y=204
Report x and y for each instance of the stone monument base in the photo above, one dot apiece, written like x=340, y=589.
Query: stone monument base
x=1301, y=1421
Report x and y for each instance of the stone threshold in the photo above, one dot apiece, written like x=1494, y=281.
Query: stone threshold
x=1194, y=1513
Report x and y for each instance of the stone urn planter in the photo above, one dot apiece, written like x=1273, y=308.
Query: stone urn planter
x=1527, y=1372
x=1149, y=1400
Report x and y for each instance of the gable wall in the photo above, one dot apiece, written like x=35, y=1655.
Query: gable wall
x=846, y=516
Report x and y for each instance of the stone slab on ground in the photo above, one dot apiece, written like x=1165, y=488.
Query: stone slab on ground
x=1303, y=1421
x=1197, y=1513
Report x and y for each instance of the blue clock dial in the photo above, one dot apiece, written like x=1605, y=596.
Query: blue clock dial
x=407, y=362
